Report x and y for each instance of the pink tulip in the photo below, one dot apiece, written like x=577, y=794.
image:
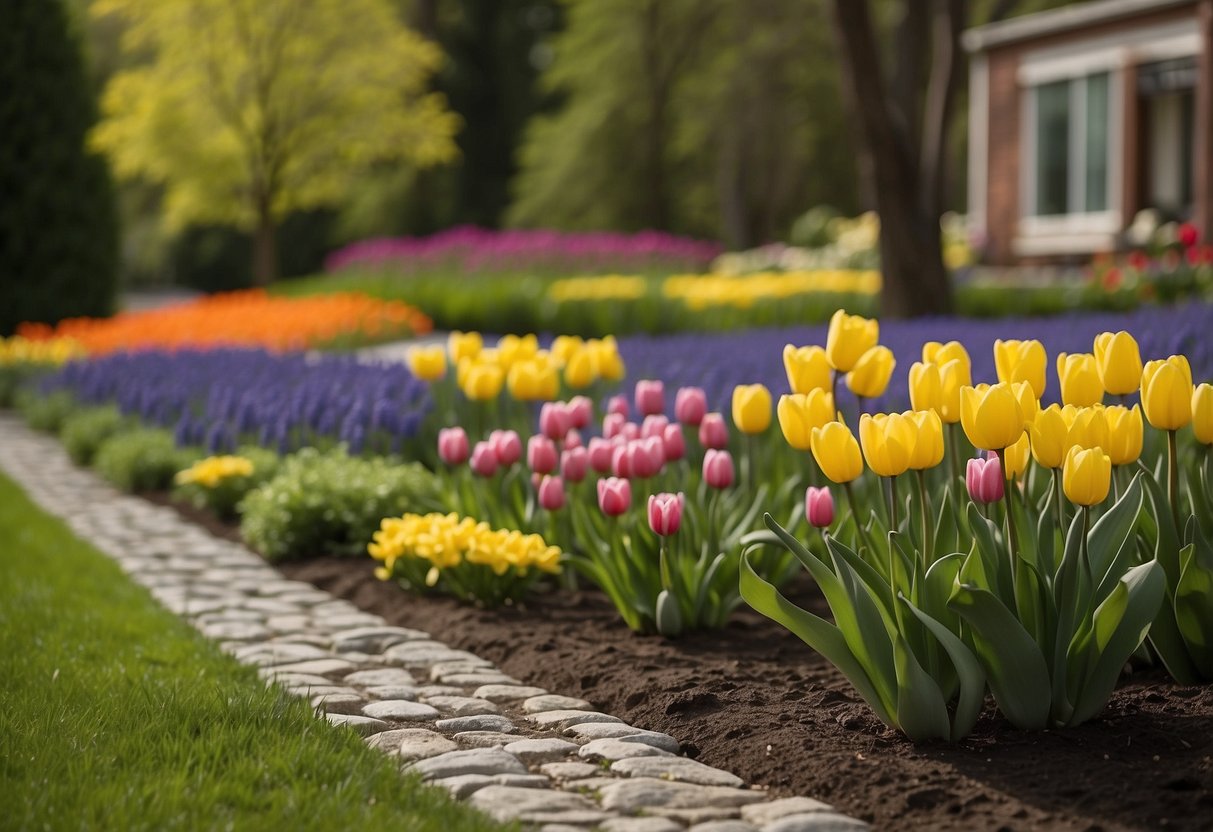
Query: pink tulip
x=612, y=425
x=572, y=439
x=690, y=405
x=614, y=496
x=574, y=464
x=674, y=443
x=623, y=460
x=819, y=507
x=665, y=513
x=555, y=420
x=507, y=445
x=600, y=452
x=654, y=425
x=650, y=397
x=551, y=493
x=581, y=411
x=718, y=468
x=541, y=454
x=650, y=457
x=619, y=406
x=453, y=446
x=484, y=459
x=630, y=431
x=713, y=433
x=983, y=477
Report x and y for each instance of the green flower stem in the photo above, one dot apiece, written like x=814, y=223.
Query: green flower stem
x=1173, y=479
x=893, y=518
x=1059, y=499
x=953, y=460
x=863, y=532
x=925, y=509
x=1012, y=532
x=1086, y=528
x=834, y=394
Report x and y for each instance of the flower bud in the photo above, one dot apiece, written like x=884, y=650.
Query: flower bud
x=551, y=493
x=507, y=445
x=650, y=397
x=718, y=471
x=819, y=507
x=751, y=408
x=690, y=405
x=983, y=478
x=665, y=513
x=574, y=464
x=614, y=496
x=713, y=433
x=453, y=446
x=484, y=460
x=541, y=455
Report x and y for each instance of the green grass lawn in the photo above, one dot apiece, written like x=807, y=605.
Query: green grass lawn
x=116, y=715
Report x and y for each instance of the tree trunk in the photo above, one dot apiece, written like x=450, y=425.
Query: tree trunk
x=916, y=283
x=265, y=248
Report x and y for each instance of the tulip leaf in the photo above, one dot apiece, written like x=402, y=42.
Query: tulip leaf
x=866, y=572
x=706, y=583
x=988, y=549
x=1109, y=533
x=937, y=588
x=814, y=631
x=972, y=678
x=921, y=711
x=1014, y=666
x=1194, y=610
x=1120, y=624
x=1167, y=545
x=947, y=530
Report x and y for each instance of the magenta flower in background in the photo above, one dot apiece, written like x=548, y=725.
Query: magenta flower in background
x=650, y=397
x=541, y=456
x=614, y=496
x=600, y=452
x=718, y=471
x=674, y=443
x=654, y=425
x=484, y=459
x=665, y=513
x=713, y=433
x=819, y=507
x=555, y=420
x=507, y=445
x=983, y=478
x=612, y=425
x=690, y=405
x=551, y=493
x=581, y=411
x=574, y=464
x=619, y=405
x=453, y=446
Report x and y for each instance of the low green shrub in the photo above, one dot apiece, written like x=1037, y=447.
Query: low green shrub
x=331, y=503
x=143, y=459
x=83, y=431
x=45, y=412
x=212, y=485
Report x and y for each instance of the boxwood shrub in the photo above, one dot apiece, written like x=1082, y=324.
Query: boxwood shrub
x=142, y=459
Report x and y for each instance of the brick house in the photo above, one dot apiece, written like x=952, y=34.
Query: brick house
x=1082, y=116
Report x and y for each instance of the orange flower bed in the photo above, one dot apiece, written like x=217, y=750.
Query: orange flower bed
x=245, y=318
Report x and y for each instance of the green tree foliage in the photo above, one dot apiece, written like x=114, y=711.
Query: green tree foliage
x=58, y=233
x=249, y=110
x=699, y=116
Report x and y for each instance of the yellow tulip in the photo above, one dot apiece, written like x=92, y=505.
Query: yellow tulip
x=1202, y=414
x=1118, y=361
x=991, y=416
x=928, y=444
x=799, y=413
x=610, y=363
x=1021, y=361
x=1079, y=378
x=837, y=452
x=533, y=379
x=807, y=368
x=939, y=354
x=1016, y=457
x=481, y=381
x=581, y=369
x=513, y=348
x=1088, y=426
x=1050, y=437
x=563, y=347
x=870, y=376
x=1124, y=434
x=887, y=442
x=461, y=345
x=1166, y=393
x=926, y=388
x=850, y=336
x=427, y=363
x=751, y=408
x=1086, y=476
x=1029, y=405
x=953, y=376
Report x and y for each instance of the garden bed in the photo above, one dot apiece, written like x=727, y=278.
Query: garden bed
x=754, y=700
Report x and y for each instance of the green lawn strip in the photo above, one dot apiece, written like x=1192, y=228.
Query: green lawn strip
x=115, y=714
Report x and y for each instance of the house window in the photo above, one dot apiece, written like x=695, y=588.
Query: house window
x=1071, y=138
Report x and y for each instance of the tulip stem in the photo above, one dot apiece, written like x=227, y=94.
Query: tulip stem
x=1012, y=532
x=893, y=518
x=834, y=393
x=1057, y=499
x=1173, y=479
x=1086, y=528
x=953, y=459
x=863, y=532
x=927, y=549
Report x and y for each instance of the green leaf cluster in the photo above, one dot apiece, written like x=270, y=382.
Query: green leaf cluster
x=142, y=459
x=84, y=430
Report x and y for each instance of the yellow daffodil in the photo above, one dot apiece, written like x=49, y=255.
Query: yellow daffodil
x=807, y=368
x=213, y=470
x=836, y=452
x=991, y=416
x=1021, y=361
x=1118, y=361
x=799, y=413
x=751, y=408
x=870, y=376
x=1079, y=377
x=1086, y=476
x=1166, y=393
x=849, y=337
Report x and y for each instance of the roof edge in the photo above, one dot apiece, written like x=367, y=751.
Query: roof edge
x=1065, y=19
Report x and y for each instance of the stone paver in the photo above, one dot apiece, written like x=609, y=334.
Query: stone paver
x=515, y=751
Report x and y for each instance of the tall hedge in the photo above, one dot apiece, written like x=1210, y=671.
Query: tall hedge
x=58, y=223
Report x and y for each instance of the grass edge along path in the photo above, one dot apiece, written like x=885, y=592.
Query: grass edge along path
x=115, y=714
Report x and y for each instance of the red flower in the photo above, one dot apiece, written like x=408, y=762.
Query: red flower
x=1112, y=279
x=1187, y=235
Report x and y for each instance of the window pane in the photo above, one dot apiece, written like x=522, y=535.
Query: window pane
x=1097, y=143
x=1052, y=147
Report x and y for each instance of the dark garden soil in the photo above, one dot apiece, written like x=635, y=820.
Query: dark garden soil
x=755, y=700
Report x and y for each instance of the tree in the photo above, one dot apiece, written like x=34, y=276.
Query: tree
x=248, y=110
x=58, y=232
